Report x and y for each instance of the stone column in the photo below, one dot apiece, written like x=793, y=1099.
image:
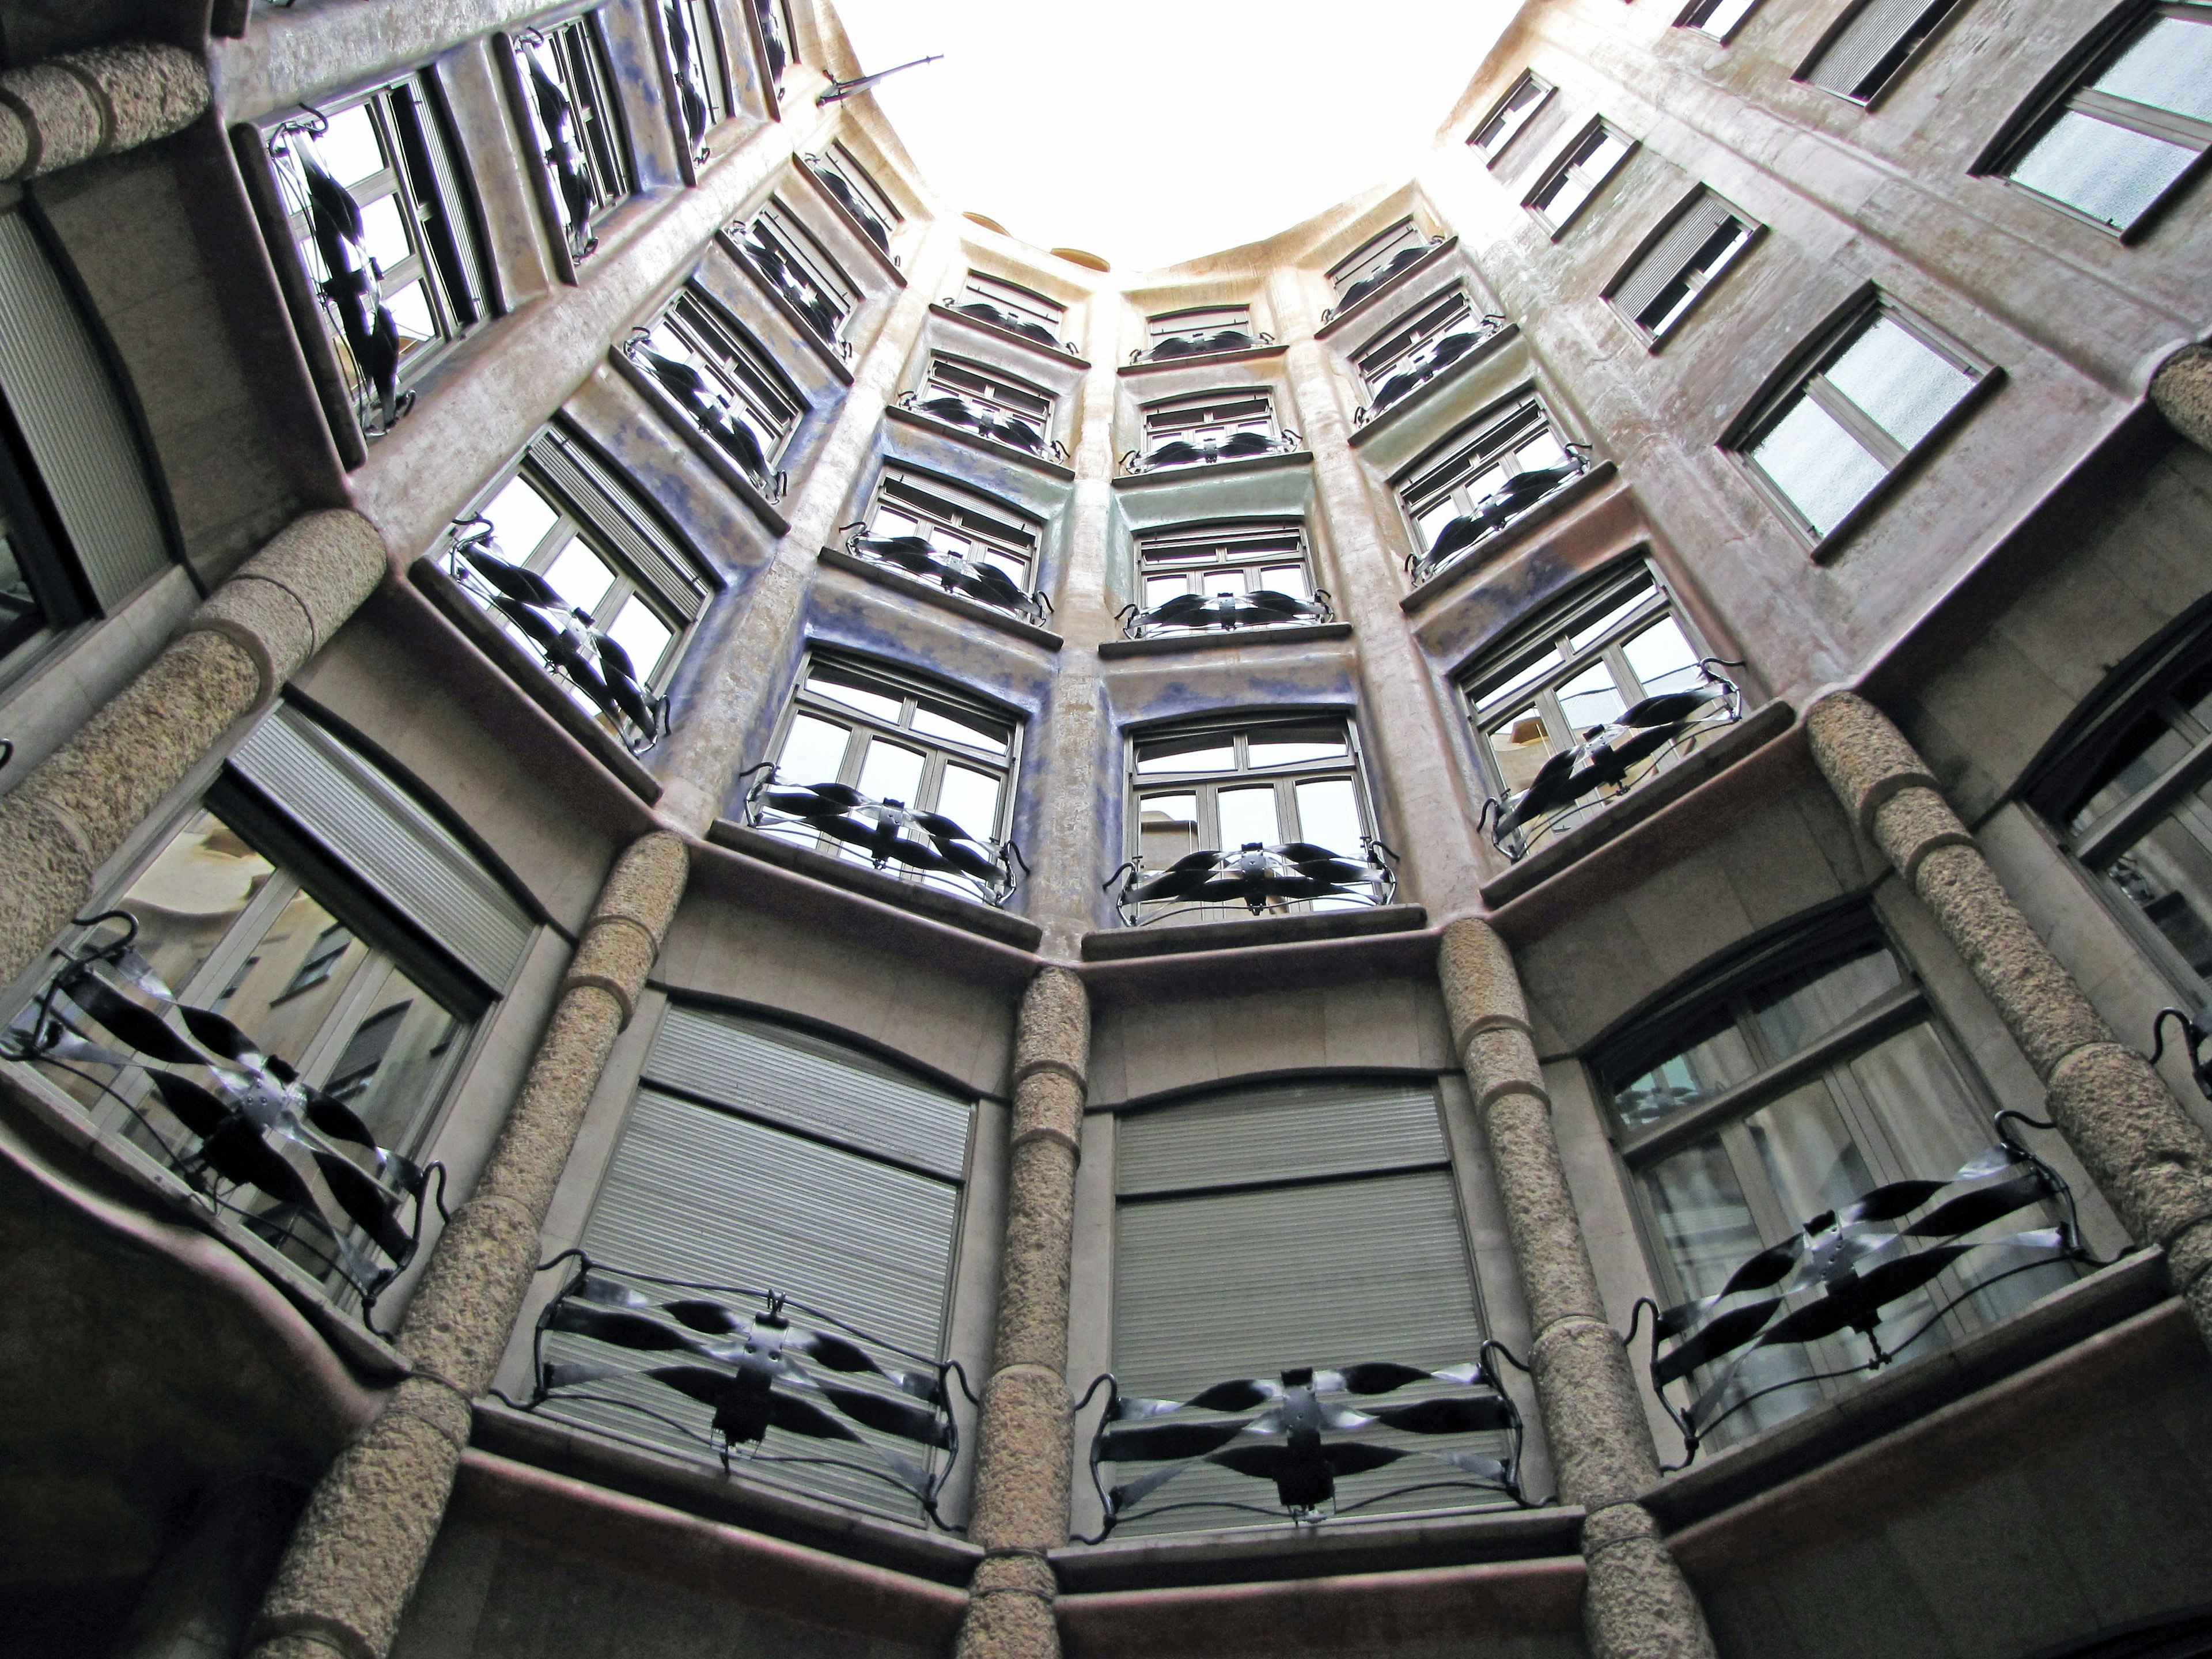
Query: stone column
x=2147, y=1157
x=1024, y=1438
x=1637, y=1604
x=352, y=1564
x=81, y=105
x=2182, y=389
x=61, y=823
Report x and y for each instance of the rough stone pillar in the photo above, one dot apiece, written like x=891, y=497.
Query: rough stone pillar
x=1637, y=1604
x=2182, y=389
x=1024, y=1439
x=351, y=1566
x=80, y=105
x=2147, y=1157
x=61, y=823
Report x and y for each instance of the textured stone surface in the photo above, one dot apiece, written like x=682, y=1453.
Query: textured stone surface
x=1865, y=757
x=1054, y=1030
x=466, y=1305
x=1022, y=1463
x=151, y=89
x=1914, y=823
x=95, y=102
x=1025, y=1574
x=311, y=576
x=2182, y=389
x=1637, y=1604
x=1033, y=1275
x=533, y=1148
x=1008, y=1625
x=1600, y=1438
x=1480, y=981
x=1048, y=1102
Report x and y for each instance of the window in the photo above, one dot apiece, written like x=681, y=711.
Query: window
x=903, y=741
x=573, y=112
x=721, y=376
x=698, y=67
x=1577, y=670
x=778, y=37
x=977, y=543
x=758, y=1156
x=786, y=254
x=1200, y=331
x=2127, y=794
x=989, y=401
x=1872, y=397
x=1375, y=262
x=1717, y=18
x=1567, y=188
x=375, y=214
x=1210, y=426
x=1399, y=362
x=1251, y=783
x=596, y=571
x=1858, y=59
x=1489, y=475
x=316, y=967
x=1232, y=560
x=1512, y=115
x=1218, y=1201
x=860, y=195
x=2124, y=137
x=1789, y=1084
x=995, y=300
x=1658, y=288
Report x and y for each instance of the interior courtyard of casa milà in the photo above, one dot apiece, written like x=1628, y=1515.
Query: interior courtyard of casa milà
x=740, y=918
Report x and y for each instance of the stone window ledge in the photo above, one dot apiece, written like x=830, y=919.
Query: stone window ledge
x=998, y=333
x=1413, y=399
x=1120, y=943
x=949, y=909
x=1202, y=470
x=1204, y=360
x=1171, y=644
x=931, y=593
x=987, y=447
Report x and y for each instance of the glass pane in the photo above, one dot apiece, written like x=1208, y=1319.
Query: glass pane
x=1601, y=155
x=1705, y=1225
x=1431, y=523
x=306, y=961
x=813, y=753
x=519, y=517
x=970, y=799
x=1540, y=453
x=2168, y=67
x=1167, y=829
x=411, y=316
x=1535, y=668
x=1717, y=1060
x=1902, y=384
x=1821, y=468
x=2109, y=172
x=1662, y=659
x=1789, y=1015
x=959, y=725
x=1934, y=1124
x=19, y=615
x=349, y=148
x=1561, y=198
x=1159, y=590
x=824, y=683
x=1591, y=698
x=1328, y=815
x=1521, y=744
x=581, y=576
x=384, y=231
x=1598, y=627
x=1208, y=751
x=1289, y=745
x=2167, y=875
x=2144, y=754
x=390, y=1061
x=1247, y=816
x=192, y=894
x=1720, y=19
x=888, y=525
x=1289, y=579
x=1809, y=1154
x=643, y=636
x=889, y=772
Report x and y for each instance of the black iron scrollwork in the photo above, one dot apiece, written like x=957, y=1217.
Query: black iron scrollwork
x=1264, y=879
x=1403, y=259
x=711, y=409
x=686, y=64
x=983, y=312
x=850, y=200
x=1263, y=607
x=978, y=579
x=1197, y=452
x=993, y=423
x=888, y=831
x=563, y=153
x=1200, y=343
x=1425, y=364
x=1495, y=511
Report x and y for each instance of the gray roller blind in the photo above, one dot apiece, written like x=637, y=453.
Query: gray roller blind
x=376, y=829
x=1279, y=1134
x=813, y=1086
x=1864, y=41
x=1672, y=253
x=603, y=502
x=57, y=387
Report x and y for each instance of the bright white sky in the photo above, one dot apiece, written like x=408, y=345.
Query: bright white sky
x=1150, y=131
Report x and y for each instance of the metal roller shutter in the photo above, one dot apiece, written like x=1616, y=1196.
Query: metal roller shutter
x=374, y=828
x=604, y=505
x=1280, y=1133
x=1864, y=41
x=1667, y=258
x=64, y=401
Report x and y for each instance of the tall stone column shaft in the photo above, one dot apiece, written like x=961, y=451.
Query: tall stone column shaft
x=353, y=1561
x=1637, y=1604
x=2181, y=390
x=1024, y=1438
x=61, y=823
x=80, y=105
x=2147, y=1157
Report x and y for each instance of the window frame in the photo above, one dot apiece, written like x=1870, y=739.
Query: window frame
x=609, y=163
x=992, y=388
x=1466, y=454
x=1696, y=14
x=1013, y=298
x=1887, y=70
x=1709, y=276
x=1374, y=255
x=798, y=245
x=1494, y=151
x=712, y=51
x=947, y=501
x=1567, y=165
x=1160, y=328
x=736, y=364
x=840, y=161
x=1161, y=422
x=31, y=530
x=1239, y=549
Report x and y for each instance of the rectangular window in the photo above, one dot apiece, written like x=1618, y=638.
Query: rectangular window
x=1591, y=665
x=584, y=579
x=1375, y=262
x=1199, y=331
x=1233, y=573
x=1717, y=18
x=973, y=543
x=36, y=593
x=724, y=379
x=1513, y=113
x=859, y=194
x=1657, y=290
x=1399, y=362
x=697, y=65
x=573, y=108
x=1481, y=480
x=778, y=37
x=1210, y=426
x=988, y=401
x=909, y=745
x=373, y=205
x=1577, y=175
x=1870, y=399
x=994, y=299
x=2120, y=141
x=794, y=263
x=1860, y=58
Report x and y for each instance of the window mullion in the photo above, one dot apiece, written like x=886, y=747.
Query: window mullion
x=1854, y=421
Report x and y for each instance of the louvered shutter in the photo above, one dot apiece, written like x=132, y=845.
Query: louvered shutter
x=1238, y=1255
x=696, y=1192
x=1867, y=39
x=65, y=404
x=376, y=829
x=601, y=499
x=1672, y=253
x=453, y=197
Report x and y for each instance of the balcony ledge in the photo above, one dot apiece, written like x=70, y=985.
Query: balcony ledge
x=1172, y=645
x=931, y=593
x=1573, y=492
x=1419, y=395
x=823, y=349
x=975, y=440
x=1120, y=944
x=1198, y=469
x=1206, y=358
x=956, y=912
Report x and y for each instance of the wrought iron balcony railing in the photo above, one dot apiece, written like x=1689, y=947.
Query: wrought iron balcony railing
x=1612, y=760
x=995, y=425
x=1195, y=612
x=1200, y=343
x=1264, y=880
x=850, y=200
x=558, y=634
x=688, y=68
x=977, y=579
x=1204, y=451
x=1494, y=511
x=984, y=312
x=1421, y=366
x=886, y=831
x=1405, y=258
x=563, y=155
x=821, y=312
x=726, y=1367
x=1845, y=1267
x=290, y=1163
x=1303, y=1434
x=711, y=409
